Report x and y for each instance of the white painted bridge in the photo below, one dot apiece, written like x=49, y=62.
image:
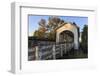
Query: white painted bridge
x=67, y=33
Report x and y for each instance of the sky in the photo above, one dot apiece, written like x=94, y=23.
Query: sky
x=34, y=19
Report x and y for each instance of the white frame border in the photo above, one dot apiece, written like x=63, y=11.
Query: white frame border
x=16, y=29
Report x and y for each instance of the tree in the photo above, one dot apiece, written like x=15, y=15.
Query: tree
x=52, y=35
x=85, y=34
x=53, y=22
x=40, y=33
x=42, y=23
x=35, y=34
x=43, y=26
x=48, y=30
x=84, y=38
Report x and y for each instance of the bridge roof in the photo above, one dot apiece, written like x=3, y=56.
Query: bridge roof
x=66, y=23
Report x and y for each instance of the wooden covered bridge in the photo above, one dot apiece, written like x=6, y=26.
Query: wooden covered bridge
x=67, y=37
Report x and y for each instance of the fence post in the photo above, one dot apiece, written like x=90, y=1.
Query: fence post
x=65, y=48
x=36, y=53
x=61, y=50
x=54, y=52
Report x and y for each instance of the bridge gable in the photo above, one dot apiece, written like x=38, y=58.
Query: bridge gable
x=68, y=27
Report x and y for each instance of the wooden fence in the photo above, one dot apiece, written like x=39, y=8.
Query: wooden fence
x=50, y=51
